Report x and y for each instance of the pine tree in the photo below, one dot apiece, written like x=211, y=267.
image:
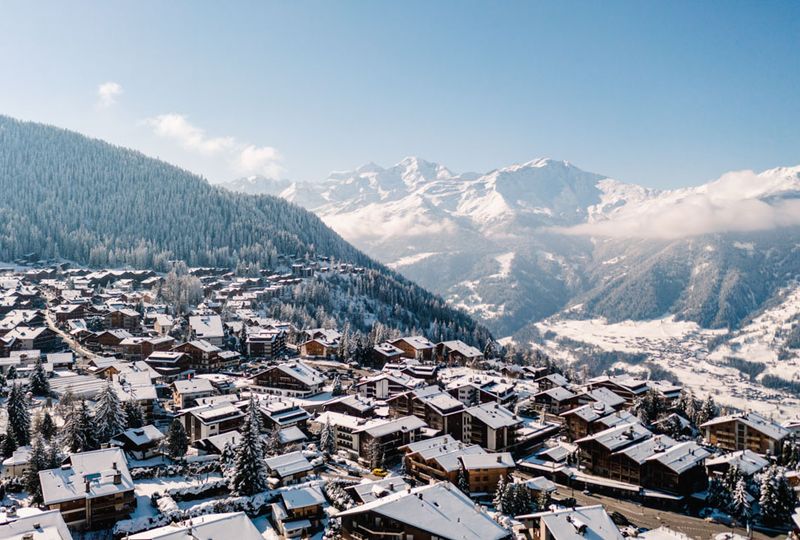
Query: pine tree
x=177, y=440
x=134, y=415
x=38, y=462
x=327, y=439
x=226, y=458
x=499, y=495
x=337, y=386
x=78, y=433
x=47, y=427
x=108, y=415
x=523, y=499
x=273, y=443
x=38, y=383
x=773, y=509
x=249, y=474
x=462, y=483
x=739, y=502
x=54, y=457
x=9, y=444
x=19, y=416
x=707, y=411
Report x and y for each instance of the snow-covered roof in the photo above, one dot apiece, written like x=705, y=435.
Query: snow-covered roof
x=440, y=509
x=682, y=457
x=557, y=393
x=540, y=483
x=194, y=385
x=501, y=460
x=746, y=461
x=591, y=411
x=417, y=342
x=616, y=419
x=292, y=434
x=494, y=415
x=206, y=326
x=387, y=349
x=584, y=523
x=47, y=525
x=425, y=444
x=370, y=491
x=604, y=395
x=302, y=372
x=556, y=378
x=209, y=527
x=140, y=436
x=753, y=421
x=641, y=451
x=619, y=436
x=97, y=468
x=288, y=464
x=20, y=456
x=462, y=348
x=302, y=497
x=404, y=423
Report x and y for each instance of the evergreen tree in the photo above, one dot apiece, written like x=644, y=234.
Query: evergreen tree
x=38, y=462
x=108, y=415
x=273, y=442
x=11, y=374
x=65, y=403
x=249, y=474
x=38, y=383
x=226, y=459
x=327, y=439
x=718, y=494
x=78, y=432
x=47, y=427
x=499, y=495
x=54, y=457
x=9, y=444
x=134, y=415
x=462, y=483
x=776, y=498
x=177, y=440
x=337, y=386
x=739, y=502
x=707, y=411
x=19, y=416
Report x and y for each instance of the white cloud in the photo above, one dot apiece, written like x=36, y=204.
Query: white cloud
x=242, y=158
x=737, y=202
x=177, y=128
x=107, y=94
x=263, y=160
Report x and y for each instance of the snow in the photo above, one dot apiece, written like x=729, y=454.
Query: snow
x=505, y=260
x=411, y=259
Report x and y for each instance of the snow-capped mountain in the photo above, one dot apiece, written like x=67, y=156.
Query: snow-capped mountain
x=521, y=243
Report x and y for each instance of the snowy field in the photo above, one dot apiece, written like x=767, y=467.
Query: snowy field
x=683, y=349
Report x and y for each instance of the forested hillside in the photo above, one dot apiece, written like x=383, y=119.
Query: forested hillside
x=72, y=197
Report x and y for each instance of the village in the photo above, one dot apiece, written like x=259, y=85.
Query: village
x=146, y=406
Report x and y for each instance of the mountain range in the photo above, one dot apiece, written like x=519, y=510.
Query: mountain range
x=522, y=243
x=66, y=196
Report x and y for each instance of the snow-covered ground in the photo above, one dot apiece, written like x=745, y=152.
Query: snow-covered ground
x=683, y=349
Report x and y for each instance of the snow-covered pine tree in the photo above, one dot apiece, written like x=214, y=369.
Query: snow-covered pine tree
x=707, y=411
x=9, y=444
x=769, y=502
x=462, y=483
x=78, y=432
x=499, y=495
x=19, y=416
x=739, y=501
x=327, y=439
x=47, y=427
x=508, y=498
x=249, y=473
x=108, y=415
x=786, y=496
x=337, y=386
x=273, y=442
x=523, y=499
x=177, y=440
x=227, y=457
x=134, y=415
x=375, y=454
x=38, y=462
x=38, y=383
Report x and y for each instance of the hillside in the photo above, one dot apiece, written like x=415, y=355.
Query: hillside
x=522, y=243
x=68, y=196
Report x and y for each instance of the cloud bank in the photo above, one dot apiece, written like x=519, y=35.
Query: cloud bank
x=737, y=202
x=243, y=158
x=107, y=94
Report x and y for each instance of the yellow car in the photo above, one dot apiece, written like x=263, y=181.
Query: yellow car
x=380, y=472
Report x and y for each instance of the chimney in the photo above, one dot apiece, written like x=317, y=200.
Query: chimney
x=114, y=465
x=87, y=485
x=499, y=458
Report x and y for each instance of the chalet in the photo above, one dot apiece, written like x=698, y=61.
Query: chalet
x=601, y=395
x=351, y=404
x=485, y=470
x=747, y=461
x=282, y=414
x=107, y=339
x=204, y=421
x=457, y=353
x=90, y=489
x=205, y=527
x=745, y=431
x=551, y=380
x=571, y=524
x=677, y=468
x=67, y=312
x=600, y=452
x=169, y=364
x=139, y=348
x=125, y=319
x=163, y=324
x=624, y=386
x=366, y=492
x=386, y=385
x=265, y=343
x=319, y=348
x=437, y=459
x=474, y=390
x=582, y=421
x=186, y=392
x=216, y=443
x=48, y=525
x=16, y=465
x=413, y=368
x=437, y=408
x=434, y=511
x=40, y=338
x=390, y=435
x=207, y=328
x=556, y=399
x=288, y=469
x=293, y=379
x=324, y=334
x=417, y=347
x=139, y=443
x=204, y=357
x=491, y=426
x=386, y=353
x=299, y=512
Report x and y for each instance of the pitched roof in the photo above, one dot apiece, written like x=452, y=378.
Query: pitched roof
x=209, y=527
x=681, y=457
x=302, y=497
x=68, y=482
x=440, y=509
x=48, y=525
x=746, y=460
x=288, y=464
x=585, y=523
x=494, y=415
x=620, y=436
x=753, y=421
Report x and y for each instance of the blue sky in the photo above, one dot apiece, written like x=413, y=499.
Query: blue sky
x=664, y=94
